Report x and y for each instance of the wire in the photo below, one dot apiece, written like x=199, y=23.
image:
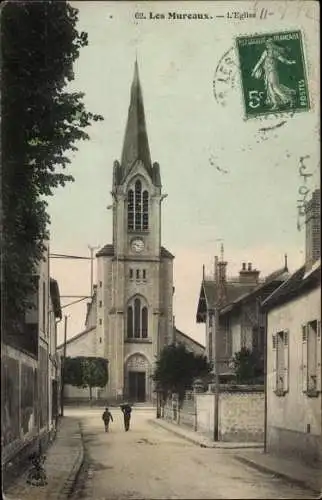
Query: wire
x=63, y=256
x=74, y=302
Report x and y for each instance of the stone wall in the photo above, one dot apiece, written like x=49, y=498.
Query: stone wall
x=240, y=413
x=205, y=413
x=241, y=416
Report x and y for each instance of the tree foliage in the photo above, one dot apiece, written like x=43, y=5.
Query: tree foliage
x=86, y=371
x=248, y=366
x=177, y=368
x=41, y=124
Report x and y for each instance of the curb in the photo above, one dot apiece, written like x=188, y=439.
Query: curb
x=282, y=475
x=183, y=436
x=205, y=443
x=68, y=487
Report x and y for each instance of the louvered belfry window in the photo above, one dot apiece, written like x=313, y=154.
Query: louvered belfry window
x=138, y=208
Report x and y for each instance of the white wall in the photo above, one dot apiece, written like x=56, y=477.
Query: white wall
x=289, y=415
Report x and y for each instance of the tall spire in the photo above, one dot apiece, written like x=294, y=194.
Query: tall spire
x=136, y=144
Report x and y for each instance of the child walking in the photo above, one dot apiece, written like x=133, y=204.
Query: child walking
x=107, y=417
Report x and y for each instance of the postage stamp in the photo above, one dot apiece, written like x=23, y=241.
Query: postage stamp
x=273, y=73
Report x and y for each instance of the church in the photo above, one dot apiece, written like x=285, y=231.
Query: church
x=130, y=317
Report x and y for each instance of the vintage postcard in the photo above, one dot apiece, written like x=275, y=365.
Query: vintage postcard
x=161, y=286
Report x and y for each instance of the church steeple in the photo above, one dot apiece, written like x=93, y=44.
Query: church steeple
x=136, y=144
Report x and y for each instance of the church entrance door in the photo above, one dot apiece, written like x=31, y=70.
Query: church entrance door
x=137, y=386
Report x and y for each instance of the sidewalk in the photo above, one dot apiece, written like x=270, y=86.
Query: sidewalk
x=64, y=459
x=200, y=439
x=286, y=468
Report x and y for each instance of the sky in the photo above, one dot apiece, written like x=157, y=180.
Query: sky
x=227, y=181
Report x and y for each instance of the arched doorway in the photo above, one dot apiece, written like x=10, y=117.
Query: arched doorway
x=137, y=378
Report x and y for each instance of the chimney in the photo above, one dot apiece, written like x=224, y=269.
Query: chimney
x=222, y=271
x=312, y=230
x=248, y=275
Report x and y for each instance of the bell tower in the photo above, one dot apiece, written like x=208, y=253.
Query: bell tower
x=137, y=269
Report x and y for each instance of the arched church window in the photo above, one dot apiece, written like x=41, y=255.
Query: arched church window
x=145, y=210
x=144, y=322
x=138, y=205
x=138, y=208
x=137, y=319
x=130, y=210
x=130, y=322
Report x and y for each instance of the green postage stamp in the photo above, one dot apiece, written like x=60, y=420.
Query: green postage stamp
x=273, y=74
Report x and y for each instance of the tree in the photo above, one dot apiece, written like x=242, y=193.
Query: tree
x=41, y=123
x=177, y=368
x=248, y=366
x=85, y=371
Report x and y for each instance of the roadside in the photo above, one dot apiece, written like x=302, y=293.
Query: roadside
x=286, y=468
x=63, y=461
x=252, y=454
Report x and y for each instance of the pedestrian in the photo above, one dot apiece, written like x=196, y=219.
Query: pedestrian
x=126, y=409
x=107, y=417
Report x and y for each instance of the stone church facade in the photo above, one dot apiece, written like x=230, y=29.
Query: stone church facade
x=130, y=317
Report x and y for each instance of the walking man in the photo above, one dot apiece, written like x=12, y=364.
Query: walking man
x=106, y=417
x=126, y=409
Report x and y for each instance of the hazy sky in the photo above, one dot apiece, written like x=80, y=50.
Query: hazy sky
x=252, y=208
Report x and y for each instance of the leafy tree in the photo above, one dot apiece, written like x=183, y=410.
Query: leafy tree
x=84, y=372
x=177, y=368
x=41, y=123
x=248, y=366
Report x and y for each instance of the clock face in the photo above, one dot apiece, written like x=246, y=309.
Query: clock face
x=137, y=245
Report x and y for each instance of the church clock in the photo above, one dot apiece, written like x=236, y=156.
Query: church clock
x=137, y=245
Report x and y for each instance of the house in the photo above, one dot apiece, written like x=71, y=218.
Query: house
x=29, y=370
x=242, y=319
x=294, y=403
x=241, y=324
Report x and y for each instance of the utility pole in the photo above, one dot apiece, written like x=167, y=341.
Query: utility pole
x=63, y=368
x=91, y=249
x=219, y=284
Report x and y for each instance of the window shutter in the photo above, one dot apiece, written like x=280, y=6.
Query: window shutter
x=318, y=357
x=286, y=360
x=304, y=358
x=274, y=353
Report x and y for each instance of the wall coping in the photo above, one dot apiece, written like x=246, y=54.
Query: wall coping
x=237, y=388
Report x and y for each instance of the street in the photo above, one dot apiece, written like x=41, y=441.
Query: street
x=149, y=462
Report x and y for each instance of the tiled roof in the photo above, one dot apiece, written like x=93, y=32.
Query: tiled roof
x=272, y=281
x=207, y=299
x=108, y=250
x=296, y=285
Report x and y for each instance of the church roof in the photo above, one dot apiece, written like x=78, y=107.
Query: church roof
x=136, y=144
x=76, y=337
x=179, y=333
x=108, y=251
